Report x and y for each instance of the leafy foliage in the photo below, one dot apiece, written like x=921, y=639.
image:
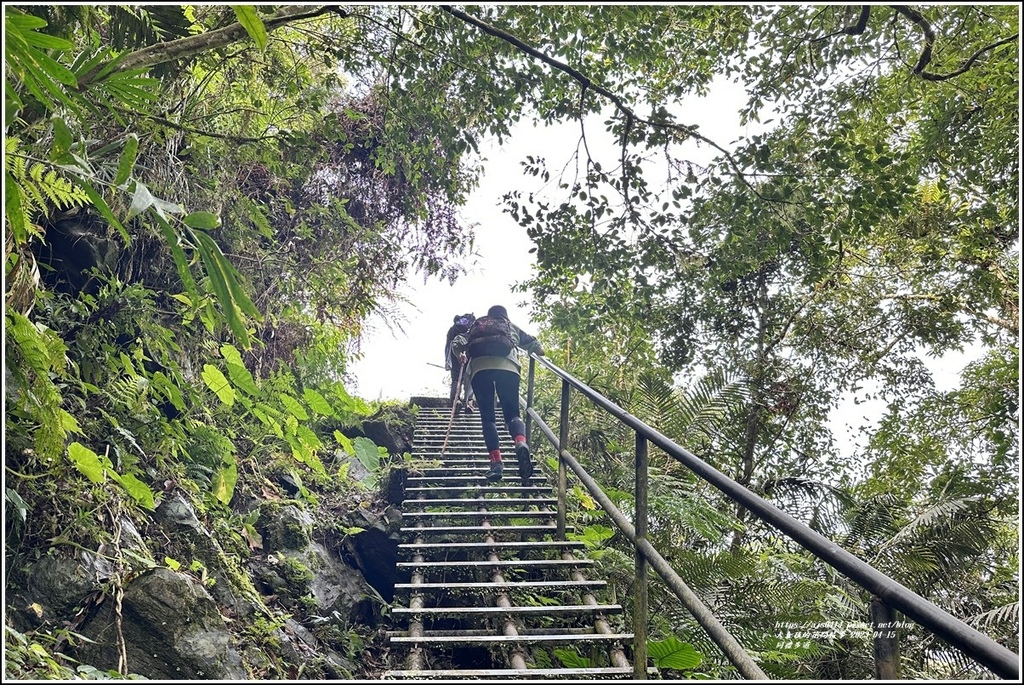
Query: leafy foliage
x=203, y=203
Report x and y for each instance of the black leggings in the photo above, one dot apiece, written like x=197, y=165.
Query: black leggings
x=506, y=384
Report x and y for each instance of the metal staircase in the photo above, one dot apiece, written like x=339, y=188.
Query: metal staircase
x=491, y=592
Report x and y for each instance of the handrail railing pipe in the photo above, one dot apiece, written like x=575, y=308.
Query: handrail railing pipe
x=640, y=565
x=529, y=399
x=563, y=444
x=707, y=620
x=973, y=643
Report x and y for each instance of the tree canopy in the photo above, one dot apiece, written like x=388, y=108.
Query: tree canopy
x=203, y=204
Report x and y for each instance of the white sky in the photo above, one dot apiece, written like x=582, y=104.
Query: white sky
x=397, y=365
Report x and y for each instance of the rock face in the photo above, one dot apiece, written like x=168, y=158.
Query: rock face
x=170, y=627
x=295, y=592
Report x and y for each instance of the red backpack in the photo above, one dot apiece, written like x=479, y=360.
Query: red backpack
x=490, y=336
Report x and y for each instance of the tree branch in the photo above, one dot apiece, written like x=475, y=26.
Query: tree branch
x=586, y=82
x=188, y=46
x=929, y=42
x=853, y=30
x=200, y=132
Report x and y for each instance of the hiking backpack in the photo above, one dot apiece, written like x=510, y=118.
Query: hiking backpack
x=460, y=326
x=490, y=336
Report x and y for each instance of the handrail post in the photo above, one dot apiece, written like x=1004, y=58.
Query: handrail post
x=529, y=399
x=885, y=640
x=640, y=563
x=563, y=445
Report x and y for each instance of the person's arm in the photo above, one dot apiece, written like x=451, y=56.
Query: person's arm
x=529, y=343
x=459, y=344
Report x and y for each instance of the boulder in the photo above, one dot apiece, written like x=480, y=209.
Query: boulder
x=171, y=629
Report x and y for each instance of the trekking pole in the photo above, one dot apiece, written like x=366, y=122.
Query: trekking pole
x=455, y=403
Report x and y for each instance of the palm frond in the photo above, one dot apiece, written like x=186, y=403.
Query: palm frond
x=138, y=26
x=1007, y=615
x=692, y=415
x=823, y=505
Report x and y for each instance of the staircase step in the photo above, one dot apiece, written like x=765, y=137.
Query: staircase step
x=510, y=469
x=506, y=585
x=489, y=488
x=617, y=672
x=478, y=530
x=469, y=480
x=487, y=546
x=561, y=639
x=500, y=563
x=449, y=501
x=551, y=610
x=477, y=501
x=545, y=513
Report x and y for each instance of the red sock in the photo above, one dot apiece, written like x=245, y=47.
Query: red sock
x=520, y=438
x=495, y=456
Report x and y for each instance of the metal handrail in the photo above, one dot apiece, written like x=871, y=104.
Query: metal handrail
x=971, y=642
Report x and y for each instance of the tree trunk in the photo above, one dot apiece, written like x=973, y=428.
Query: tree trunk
x=188, y=46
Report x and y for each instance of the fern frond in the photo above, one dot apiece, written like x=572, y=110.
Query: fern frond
x=128, y=390
x=1008, y=614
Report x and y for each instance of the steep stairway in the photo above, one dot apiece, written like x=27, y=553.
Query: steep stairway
x=489, y=591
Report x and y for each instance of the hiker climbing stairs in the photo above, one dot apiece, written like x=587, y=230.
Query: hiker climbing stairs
x=490, y=592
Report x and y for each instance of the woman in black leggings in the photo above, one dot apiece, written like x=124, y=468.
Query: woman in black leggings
x=499, y=375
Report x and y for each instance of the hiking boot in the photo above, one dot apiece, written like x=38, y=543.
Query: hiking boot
x=494, y=473
x=525, y=463
x=469, y=408
x=458, y=407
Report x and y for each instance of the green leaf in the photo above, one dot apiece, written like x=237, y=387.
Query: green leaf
x=216, y=382
x=180, y=261
x=224, y=482
x=344, y=441
x=62, y=138
x=138, y=490
x=87, y=462
x=367, y=453
x=237, y=372
x=317, y=402
x=127, y=161
x=293, y=406
x=224, y=282
x=673, y=653
x=17, y=502
x=13, y=209
x=248, y=18
x=570, y=659
x=203, y=220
